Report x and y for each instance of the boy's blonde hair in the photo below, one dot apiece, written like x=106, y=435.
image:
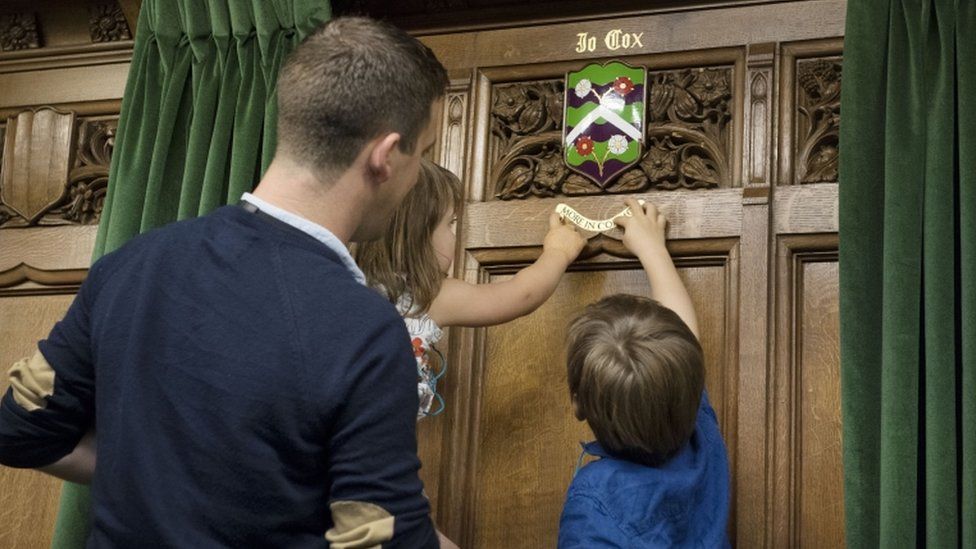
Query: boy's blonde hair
x=403, y=262
x=636, y=374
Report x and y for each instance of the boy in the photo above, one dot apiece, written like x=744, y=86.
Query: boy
x=636, y=375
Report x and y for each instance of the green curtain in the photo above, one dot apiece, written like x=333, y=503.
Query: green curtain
x=197, y=129
x=908, y=273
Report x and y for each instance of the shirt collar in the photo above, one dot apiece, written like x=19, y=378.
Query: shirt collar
x=316, y=231
x=594, y=449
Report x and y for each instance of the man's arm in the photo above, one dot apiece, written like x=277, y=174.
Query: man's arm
x=79, y=465
x=644, y=237
x=50, y=403
x=377, y=497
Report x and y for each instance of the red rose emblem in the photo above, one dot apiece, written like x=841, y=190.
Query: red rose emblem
x=623, y=85
x=584, y=145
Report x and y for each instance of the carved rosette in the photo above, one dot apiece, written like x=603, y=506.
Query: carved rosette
x=106, y=23
x=818, y=120
x=688, y=137
x=18, y=31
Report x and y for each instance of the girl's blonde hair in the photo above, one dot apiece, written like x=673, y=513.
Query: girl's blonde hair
x=403, y=263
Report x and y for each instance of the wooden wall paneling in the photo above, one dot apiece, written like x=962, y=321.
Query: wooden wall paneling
x=58, y=76
x=707, y=28
x=807, y=465
x=749, y=486
x=527, y=438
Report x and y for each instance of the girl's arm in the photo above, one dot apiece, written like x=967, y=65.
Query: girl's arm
x=462, y=304
x=644, y=237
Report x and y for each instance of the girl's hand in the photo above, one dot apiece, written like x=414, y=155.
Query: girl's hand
x=644, y=229
x=563, y=239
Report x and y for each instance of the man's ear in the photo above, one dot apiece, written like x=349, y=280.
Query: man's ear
x=378, y=162
x=576, y=410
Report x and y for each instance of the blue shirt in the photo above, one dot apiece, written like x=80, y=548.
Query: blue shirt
x=682, y=503
x=242, y=383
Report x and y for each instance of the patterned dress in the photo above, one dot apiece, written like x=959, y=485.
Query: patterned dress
x=424, y=333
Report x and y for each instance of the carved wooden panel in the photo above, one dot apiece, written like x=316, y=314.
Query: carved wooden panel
x=810, y=79
x=688, y=139
x=55, y=168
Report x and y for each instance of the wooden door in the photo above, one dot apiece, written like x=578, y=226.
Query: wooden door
x=741, y=154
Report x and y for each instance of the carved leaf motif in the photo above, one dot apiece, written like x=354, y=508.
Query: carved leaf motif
x=578, y=185
x=632, y=180
x=818, y=123
x=694, y=167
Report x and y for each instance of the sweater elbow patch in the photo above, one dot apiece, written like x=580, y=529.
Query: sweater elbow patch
x=358, y=524
x=32, y=382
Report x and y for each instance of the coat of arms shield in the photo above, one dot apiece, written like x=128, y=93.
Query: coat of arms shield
x=603, y=121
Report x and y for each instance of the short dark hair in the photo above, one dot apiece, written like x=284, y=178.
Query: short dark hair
x=351, y=80
x=636, y=372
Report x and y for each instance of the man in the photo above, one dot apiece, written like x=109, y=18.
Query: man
x=246, y=388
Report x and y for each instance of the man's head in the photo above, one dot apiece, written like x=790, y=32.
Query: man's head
x=361, y=95
x=636, y=374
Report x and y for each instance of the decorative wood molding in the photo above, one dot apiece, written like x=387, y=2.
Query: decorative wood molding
x=688, y=142
x=691, y=215
x=18, y=31
x=39, y=281
x=809, y=112
x=70, y=164
x=758, y=114
x=107, y=23
x=454, y=134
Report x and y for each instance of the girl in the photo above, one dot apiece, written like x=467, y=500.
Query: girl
x=410, y=264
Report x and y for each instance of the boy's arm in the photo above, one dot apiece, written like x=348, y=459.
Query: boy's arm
x=644, y=237
x=461, y=304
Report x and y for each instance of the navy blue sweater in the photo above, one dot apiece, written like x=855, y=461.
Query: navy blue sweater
x=240, y=381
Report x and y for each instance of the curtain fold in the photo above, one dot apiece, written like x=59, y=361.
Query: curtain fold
x=908, y=273
x=197, y=129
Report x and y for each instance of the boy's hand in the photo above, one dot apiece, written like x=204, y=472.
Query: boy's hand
x=644, y=229
x=563, y=239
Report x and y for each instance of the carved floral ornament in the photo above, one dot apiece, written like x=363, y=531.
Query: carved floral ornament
x=18, y=31
x=106, y=23
x=687, y=117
